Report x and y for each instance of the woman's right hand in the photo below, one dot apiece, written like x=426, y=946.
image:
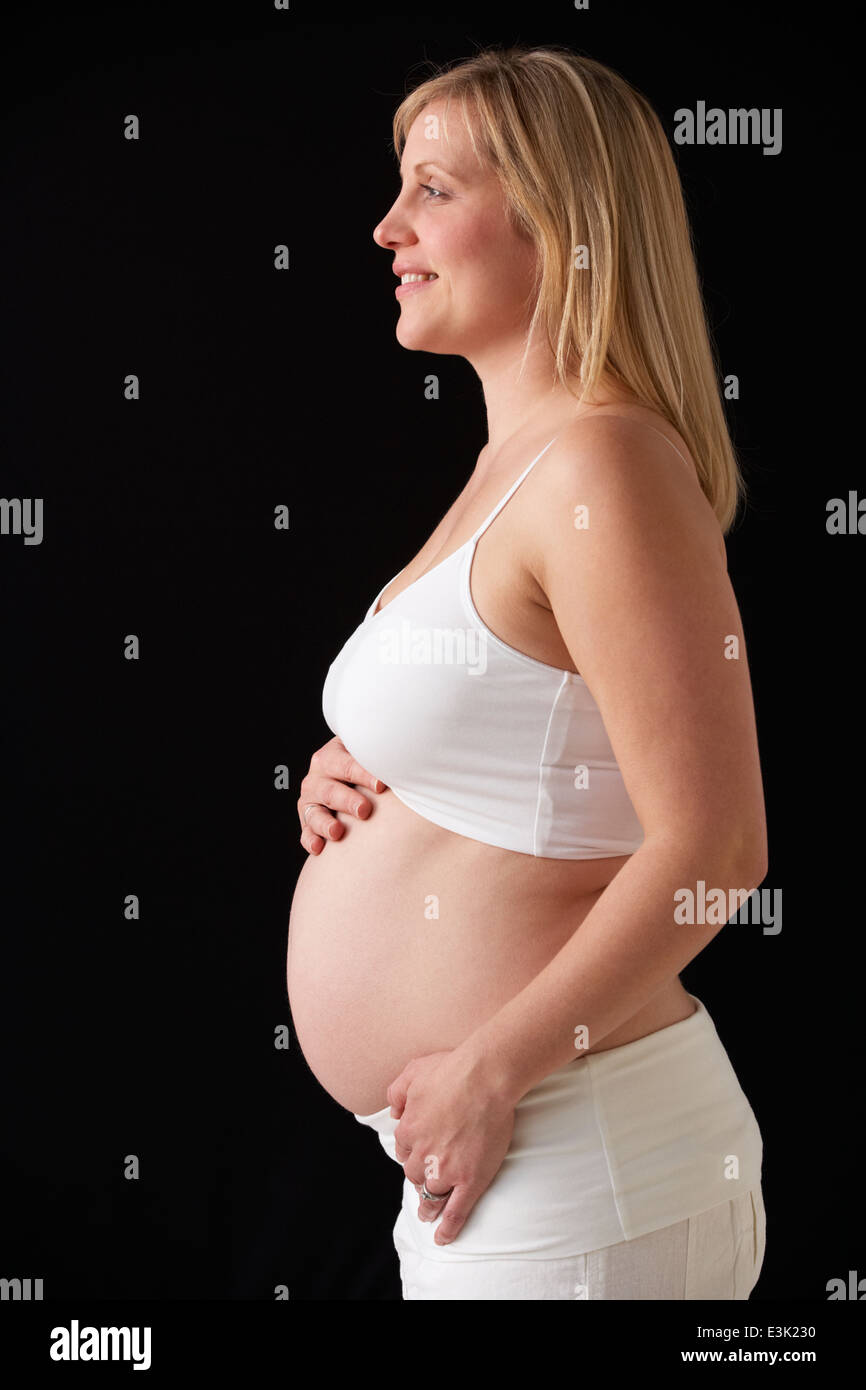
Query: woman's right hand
x=331, y=768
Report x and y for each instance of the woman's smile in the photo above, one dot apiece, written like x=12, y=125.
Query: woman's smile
x=410, y=286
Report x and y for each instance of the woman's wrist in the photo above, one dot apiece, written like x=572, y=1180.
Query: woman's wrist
x=487, y=1073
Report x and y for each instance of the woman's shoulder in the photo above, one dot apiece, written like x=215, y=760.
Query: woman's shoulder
x=629, y=460
x=618, y=427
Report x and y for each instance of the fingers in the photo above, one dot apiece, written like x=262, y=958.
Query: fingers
x=459, y=1205
x=317, y=822
x=354, y=772
x=398, y=1092
x=333, y=759
x=316, y=817
x=313, y=844
x=311, y=840
x=427, y=1210
x=454, y=1206
x=328, y=788
x=340, y=797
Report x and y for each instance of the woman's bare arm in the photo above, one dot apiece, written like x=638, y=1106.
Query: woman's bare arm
x=645, y=606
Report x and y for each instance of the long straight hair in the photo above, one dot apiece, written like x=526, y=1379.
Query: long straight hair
x=584, y=161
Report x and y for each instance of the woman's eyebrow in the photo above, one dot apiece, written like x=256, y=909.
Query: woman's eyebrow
x=428, y=164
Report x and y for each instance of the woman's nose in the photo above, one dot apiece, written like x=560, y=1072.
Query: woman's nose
x=379, y=234
x=393, y=229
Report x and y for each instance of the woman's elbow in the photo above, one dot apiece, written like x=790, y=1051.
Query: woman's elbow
x=730, y=853
x=743, y=853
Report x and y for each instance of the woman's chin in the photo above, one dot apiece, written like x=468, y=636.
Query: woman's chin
x=414, y=336
x=413, y=331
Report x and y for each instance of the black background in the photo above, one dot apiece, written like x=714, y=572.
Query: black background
x=260, y=388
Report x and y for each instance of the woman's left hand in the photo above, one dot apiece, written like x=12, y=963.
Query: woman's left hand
x=453, y=1134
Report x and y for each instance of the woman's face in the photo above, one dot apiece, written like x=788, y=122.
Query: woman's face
x=449, y=218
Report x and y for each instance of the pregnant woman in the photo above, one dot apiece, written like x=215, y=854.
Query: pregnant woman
x=550, y=714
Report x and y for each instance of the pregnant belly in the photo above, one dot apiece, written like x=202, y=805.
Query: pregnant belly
x=405, y=937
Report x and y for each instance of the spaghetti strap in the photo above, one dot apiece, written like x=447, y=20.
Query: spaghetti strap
x=371, y=611
x=514, y=486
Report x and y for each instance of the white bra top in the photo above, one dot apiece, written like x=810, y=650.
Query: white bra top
x=471, y=733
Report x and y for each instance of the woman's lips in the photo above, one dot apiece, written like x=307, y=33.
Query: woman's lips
x=403, y=290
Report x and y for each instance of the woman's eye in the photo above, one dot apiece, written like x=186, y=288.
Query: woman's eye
x=430, y=189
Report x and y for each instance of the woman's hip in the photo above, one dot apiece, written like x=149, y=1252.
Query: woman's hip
x=605, y=1150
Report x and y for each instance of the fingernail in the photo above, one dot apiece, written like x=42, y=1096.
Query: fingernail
x=357, y=806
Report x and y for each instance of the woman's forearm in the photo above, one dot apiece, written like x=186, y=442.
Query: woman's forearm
x=626, y=948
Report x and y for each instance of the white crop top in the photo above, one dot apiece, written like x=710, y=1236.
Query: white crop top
x=471, y=733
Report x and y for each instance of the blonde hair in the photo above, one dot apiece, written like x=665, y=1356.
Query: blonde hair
x=583, y=160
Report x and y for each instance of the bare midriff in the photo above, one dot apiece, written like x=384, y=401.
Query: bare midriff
x=405, y=937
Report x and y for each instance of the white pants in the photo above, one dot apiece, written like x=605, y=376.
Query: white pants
x=716, y=1255
x=633, y=1173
